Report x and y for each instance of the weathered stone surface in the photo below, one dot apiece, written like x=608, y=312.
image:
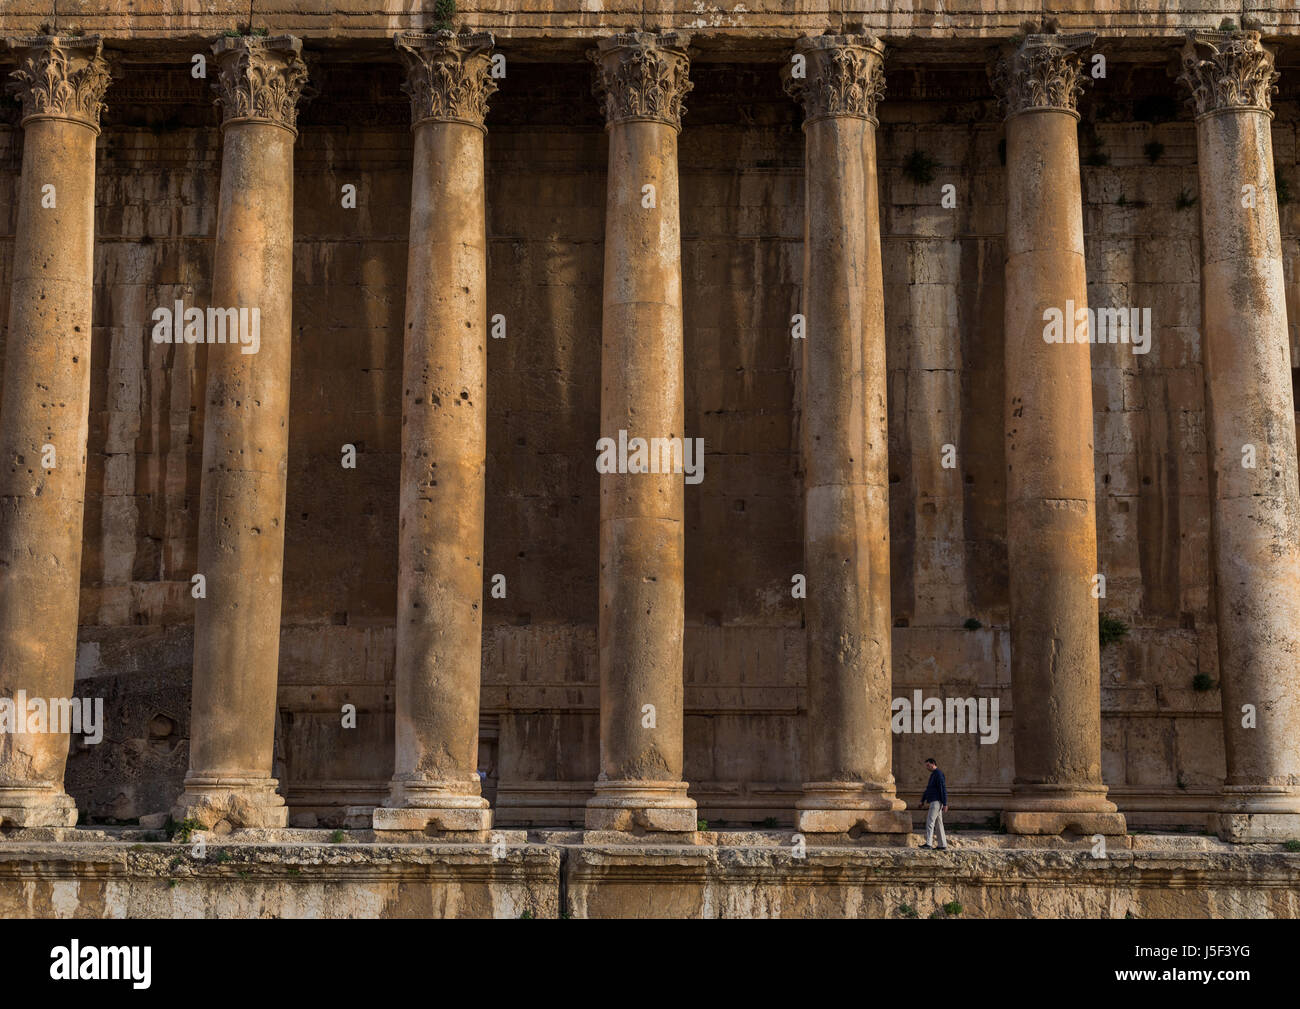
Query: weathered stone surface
x=746, y=743
x=44, y=409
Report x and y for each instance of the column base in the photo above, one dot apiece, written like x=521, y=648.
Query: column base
x=25, y=806
x=1057, y=809
x=1254, y=828
x=850, y=808
x=235, y=801
x=642, y=806
x=434, y=808
x=1257, y=813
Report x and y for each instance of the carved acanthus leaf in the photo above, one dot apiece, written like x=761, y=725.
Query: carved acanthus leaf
x=1228, y=70
x=642, y=76
x=1043, y=72
x=838, y=75
x=260, y=78
x=447, y=75
x=62, y=77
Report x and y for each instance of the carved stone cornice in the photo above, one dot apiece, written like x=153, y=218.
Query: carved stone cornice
x=1043, y=72
x=259, y=79
x=1228, y=71
x=61, y=78
x=447, y=75
x=840, y=75
x=642, y=77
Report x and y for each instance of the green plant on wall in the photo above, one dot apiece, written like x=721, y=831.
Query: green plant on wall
x=443, y=12
x=919, y=168
x=1110, y=629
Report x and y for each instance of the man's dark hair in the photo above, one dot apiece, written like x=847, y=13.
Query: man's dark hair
x=931, y=760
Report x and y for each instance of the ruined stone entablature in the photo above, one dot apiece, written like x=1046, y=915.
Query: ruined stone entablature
x=447, y=75
x=1042, y=73
x=641, y=76
x=1228, y=70
x=61, y=78
x=843, y=75
x=260, y=79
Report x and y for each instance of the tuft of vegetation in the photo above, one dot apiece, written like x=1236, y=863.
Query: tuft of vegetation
x=701, y=824
x=1181, y=783
x=1201, y=682
x=1228, y=25
x=769, y=822
x=443, y=12
x=1184, y=200
x=972, y=624
x=1097, y=159
x=952, y=908
x=919, y=168
x=182, y=831
x=906, y=911
x=1291, y=845
x=527, y=913
x=1110, y=629
x=1153, y=149
x=338, y=837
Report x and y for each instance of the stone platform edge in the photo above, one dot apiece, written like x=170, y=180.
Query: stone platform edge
x=1141, y=877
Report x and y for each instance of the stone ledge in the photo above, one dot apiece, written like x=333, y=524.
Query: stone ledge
x=1146, y=877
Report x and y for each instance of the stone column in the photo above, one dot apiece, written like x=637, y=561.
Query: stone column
x=444, y=443
x=1051, y=508
x=641, y=79
x=43, y=421
x=1255, y=500
x=245, y=442
x=850, y=784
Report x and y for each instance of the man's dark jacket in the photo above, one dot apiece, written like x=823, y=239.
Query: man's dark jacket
x=937, y=789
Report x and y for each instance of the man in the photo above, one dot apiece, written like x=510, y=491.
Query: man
x=936, y=798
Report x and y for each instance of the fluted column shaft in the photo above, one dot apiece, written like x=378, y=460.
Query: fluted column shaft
x=641, y=80
x=444, y=443
x=245, y=443
x=850, y=783
x=1255, y=506
x=43, y=422
x=1051, y=508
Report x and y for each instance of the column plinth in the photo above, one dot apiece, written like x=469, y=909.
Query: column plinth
x=1051, y=506
x=43, y=423
x=245, y=443
x=641, y=79
x=845, y=446
x=1255, y=510
x=436, y=787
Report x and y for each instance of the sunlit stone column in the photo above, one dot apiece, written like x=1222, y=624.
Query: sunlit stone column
x=245, y=443
x=444, y=443
x=1256, y=503
x=850, y=784
x=43, y=422
x=641, y=80
x=1051, y=510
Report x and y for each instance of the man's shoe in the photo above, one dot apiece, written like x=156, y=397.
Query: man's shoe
x=928, y=847
x=944, y=848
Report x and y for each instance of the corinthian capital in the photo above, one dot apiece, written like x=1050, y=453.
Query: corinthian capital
x=61, y=78
x=1228, y=70
x=447, y=75
x=642, y=76
x=1043, y=72
x=836, y=75
x=259, y=79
